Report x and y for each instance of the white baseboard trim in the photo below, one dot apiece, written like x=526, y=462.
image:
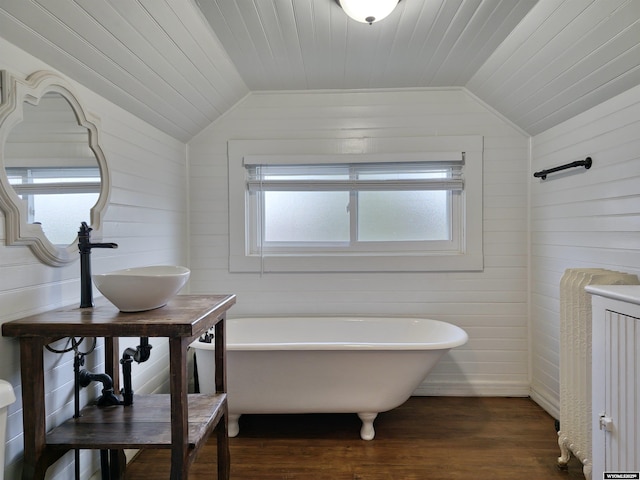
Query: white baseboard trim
x=474, y=389
x=550, y=406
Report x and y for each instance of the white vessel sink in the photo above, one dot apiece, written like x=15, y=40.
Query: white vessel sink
x=142, y=288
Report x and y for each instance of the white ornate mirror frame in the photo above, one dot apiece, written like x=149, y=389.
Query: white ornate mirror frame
x=18, y=231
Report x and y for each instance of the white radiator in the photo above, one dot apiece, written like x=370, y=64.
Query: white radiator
x=574, y=435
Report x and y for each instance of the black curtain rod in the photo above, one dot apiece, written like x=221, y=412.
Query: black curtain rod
x=586, y=163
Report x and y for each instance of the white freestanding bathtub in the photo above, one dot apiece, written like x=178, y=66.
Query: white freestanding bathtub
x=362, y=365
x=7, y=397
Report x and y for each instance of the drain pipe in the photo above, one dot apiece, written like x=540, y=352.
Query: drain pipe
x=140, y=354
x=108, y=397
x=82, y=378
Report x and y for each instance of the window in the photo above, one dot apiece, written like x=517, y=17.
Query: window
x=49, y=191
x=381, y=211
x=354, y=207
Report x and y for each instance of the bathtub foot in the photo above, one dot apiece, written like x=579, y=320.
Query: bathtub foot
x=565, y=452
x=234, y=426
x=367, y=432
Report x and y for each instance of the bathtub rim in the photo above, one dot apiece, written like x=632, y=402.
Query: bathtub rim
x=459, y=338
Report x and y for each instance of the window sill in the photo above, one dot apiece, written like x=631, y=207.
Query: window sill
x=357, y=263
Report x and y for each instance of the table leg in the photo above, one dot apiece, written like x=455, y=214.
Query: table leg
x=116, y=458
x=220, y=354
x=112, y=361
x=36, y=457
x=33, y=412
x=222, y=429
x=224, y=456
x=179, y=408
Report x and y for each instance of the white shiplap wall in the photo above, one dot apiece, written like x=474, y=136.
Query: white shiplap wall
x=491, y=305
x=146, y=217
x=581, y=218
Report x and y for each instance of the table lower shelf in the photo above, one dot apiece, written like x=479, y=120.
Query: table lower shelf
x=145, y=424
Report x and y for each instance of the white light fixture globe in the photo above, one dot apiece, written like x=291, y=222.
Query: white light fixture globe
x=368, y=11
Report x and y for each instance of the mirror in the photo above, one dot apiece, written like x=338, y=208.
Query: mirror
x=50, y=166
x=54, y=173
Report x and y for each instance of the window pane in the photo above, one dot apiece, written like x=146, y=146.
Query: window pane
x=403, y=216
x=404, y=174
x=62, y=229
x=306, y=216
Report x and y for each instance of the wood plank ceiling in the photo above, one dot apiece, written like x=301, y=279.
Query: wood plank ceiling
x=180, y=64
x=312, y=44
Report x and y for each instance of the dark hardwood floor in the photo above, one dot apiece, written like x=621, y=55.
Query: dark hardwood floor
x=427, y=438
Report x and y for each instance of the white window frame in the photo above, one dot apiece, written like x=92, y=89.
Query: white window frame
x=468, y=257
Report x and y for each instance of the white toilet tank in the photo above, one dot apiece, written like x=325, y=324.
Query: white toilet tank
x=7, y=397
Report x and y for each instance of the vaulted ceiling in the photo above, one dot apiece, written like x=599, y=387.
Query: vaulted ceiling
x=180, y=64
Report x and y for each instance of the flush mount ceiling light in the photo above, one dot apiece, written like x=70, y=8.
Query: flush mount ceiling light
x=368, y=11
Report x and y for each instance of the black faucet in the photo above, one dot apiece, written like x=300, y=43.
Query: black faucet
x=85, y=246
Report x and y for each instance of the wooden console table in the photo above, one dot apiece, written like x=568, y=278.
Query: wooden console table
x=178, y=420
